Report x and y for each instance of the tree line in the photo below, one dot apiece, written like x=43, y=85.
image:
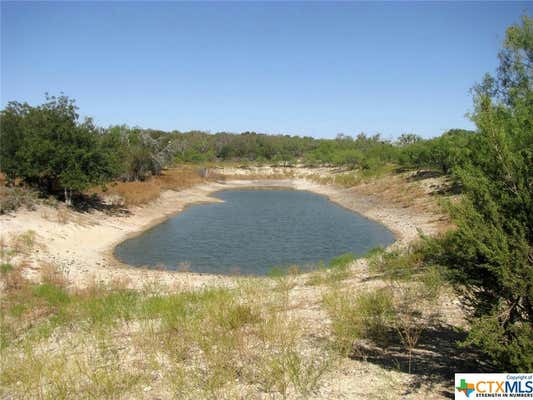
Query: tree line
x=49, y=147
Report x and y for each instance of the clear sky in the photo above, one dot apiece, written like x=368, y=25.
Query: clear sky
x=296, y=68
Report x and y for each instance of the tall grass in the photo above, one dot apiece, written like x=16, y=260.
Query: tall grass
x=365, y=315
x=113, y=342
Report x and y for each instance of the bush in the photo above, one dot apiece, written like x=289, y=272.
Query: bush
x=489, y=255
x=13, y=198
x=366, y=315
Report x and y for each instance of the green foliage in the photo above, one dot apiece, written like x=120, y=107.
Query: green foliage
x=139, y=153
x=511, y=345
x=490, y=254
x=362, y=152
x=46, y=145
x=453, y=149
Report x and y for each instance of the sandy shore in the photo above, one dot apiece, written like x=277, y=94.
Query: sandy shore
x=82, y=246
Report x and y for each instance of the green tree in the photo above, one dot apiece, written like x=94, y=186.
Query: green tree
x=406, y=139
x=490, y=254
x=454, y=148
x=47, y=146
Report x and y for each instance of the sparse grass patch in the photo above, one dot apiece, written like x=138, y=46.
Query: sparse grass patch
x=51, y=274
x=290, y=370
x=342, y=261
x=53, y=295
x=13, y=278
x=365, y=315
x=6, y=267
x=398, y=265
x=207, y=343
x=407, y=267
x=337, y=270
x=13, y=198
x=398, y=312
x=63, y=215
x=23, y=243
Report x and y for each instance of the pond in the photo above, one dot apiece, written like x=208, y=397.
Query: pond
x=253, y=231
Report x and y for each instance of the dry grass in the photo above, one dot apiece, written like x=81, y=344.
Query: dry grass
x=424, y=194
x=428, y=195
x=182, y=177
x=250, y=341
x=134, y=193
x=138, y=193
x=112, y=342
x=179, y=178
x=13, y=198
x=23, y=243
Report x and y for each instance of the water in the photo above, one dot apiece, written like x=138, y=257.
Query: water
x=253, y=231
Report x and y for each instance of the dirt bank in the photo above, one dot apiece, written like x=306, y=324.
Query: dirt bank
x=81, y=244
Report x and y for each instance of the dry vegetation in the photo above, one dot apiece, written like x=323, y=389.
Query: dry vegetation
x=136, y=193
x=263, y=338
x=409, y=189
x=112, y=342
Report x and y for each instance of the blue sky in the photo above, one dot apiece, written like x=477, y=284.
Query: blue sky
x=295, y=68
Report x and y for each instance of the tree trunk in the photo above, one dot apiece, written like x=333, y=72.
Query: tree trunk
x=68, y=197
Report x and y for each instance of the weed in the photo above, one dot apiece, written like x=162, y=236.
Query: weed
x=5, y=268
x=12, y=198
x=363, y=316
x=338, y=269
x=52, y=294
x=63, y=215
x=23, y=243
x=51, y=274
x=13, y=278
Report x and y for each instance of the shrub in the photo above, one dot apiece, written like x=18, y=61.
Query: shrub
x=23, y=243
x=366, y=315
x=13, y=198
x=489, y=255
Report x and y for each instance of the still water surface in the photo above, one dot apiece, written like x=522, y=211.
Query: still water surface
x=253, y=231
